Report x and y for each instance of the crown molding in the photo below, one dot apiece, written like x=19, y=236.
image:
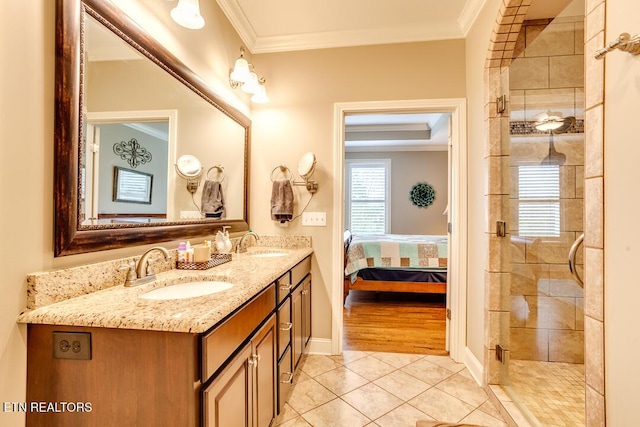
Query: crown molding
x=149, y=130
x=469, y=15
x=333, y=39
x=390, y=127
x=239, y=21
x=337, y=39
x=397, y=148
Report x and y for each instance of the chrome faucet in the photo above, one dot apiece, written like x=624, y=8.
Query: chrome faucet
x=242, y=239
x=143, y=272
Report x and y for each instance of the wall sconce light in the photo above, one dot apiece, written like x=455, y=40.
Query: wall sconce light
x=187, y=14
x=244, y=77
x=260, y=95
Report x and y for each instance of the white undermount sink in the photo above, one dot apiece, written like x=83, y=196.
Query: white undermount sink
x=187, y=290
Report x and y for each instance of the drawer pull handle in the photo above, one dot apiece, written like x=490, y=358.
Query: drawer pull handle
x=285, y=287
x=305, y=291
x=289, y=380
x=286, y=326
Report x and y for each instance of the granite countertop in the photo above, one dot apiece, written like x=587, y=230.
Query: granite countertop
x=120, y=307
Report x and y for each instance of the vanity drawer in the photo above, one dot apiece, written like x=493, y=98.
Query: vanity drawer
x=221, y=342
x=284, y=326
x=284, y=286
x=285, y=379
x=300, y=271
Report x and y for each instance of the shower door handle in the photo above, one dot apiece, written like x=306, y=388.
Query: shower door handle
x=572, y=260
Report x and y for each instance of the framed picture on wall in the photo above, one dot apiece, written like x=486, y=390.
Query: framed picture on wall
x=131, y=186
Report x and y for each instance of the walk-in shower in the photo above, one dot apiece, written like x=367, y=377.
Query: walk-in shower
x=544, y=372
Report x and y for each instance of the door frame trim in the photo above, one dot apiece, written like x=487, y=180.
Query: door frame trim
x=457, y=286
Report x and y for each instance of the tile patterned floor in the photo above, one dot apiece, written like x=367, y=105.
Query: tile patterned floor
x=552, y=392
x=362, y=388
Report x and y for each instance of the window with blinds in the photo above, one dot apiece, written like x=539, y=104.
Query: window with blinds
x=539, y=200
x=367, y=196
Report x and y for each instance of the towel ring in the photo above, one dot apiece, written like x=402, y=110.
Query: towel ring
x=283, y=169
x=221, y=172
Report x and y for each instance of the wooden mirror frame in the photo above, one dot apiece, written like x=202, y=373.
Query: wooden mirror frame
x=69, y=237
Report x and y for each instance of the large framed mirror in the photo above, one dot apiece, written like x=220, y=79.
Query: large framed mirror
x=125, y=103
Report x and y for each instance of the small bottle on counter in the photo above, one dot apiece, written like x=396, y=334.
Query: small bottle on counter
x=189, y=252
x=182, y=252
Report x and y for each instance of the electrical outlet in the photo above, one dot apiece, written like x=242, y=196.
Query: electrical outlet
x=72, y=345
x=314, y=219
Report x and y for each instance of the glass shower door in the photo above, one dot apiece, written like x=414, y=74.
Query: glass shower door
x=546, y=133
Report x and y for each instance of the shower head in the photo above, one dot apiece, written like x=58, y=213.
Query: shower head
x=554, y=122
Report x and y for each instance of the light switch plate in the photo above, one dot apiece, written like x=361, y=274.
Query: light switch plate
x=314, y=219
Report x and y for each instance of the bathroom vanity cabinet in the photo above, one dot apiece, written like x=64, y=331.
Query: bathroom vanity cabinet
x=294, y=305
x=239, y=372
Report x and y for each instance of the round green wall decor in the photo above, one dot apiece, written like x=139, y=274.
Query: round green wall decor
x=422, y=194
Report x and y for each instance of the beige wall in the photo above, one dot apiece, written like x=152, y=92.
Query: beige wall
x=26, y=135
x=26, y=108
x=477, y=45
x=303, y=87
x=408, y=168
x=621, y=225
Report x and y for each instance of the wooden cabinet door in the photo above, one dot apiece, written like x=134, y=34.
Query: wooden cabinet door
x=228, y=400
x=306, y=312
x=296, y=319
x=264, y=356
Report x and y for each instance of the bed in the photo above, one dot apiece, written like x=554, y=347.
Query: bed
x=395, y=263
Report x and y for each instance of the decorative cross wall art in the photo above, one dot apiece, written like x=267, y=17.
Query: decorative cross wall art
x=132, y=152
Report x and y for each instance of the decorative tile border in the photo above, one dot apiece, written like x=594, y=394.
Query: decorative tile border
x=528, y=127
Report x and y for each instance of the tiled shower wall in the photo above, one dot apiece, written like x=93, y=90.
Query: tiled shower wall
x=547, y=317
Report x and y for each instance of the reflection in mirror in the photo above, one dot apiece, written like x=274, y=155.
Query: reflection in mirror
x=138, y=141
x=201, y=131
x=136, y=109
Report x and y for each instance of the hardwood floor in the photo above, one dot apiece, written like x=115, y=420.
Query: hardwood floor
x=395, y=322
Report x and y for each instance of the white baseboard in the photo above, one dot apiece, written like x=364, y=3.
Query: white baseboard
x=320, y=346
x=475, y=367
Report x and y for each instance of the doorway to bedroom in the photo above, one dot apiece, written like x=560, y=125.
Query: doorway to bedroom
x=400, y=163
x=395, y=208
